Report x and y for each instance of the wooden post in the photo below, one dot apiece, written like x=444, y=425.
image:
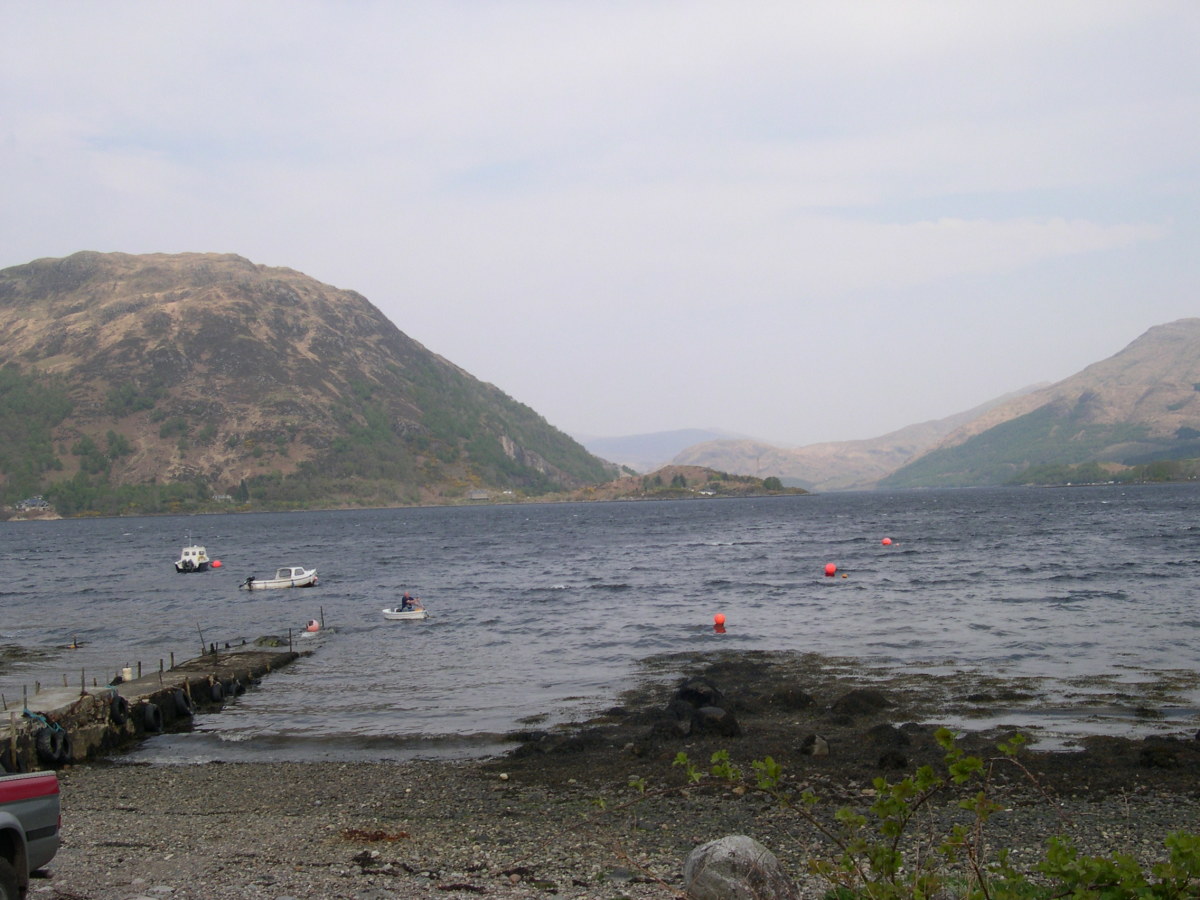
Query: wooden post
x=139, y=668
x=172, y=659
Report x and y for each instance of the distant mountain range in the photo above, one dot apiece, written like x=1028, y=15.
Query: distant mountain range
x=833, y=466
x=647, y=452
x=1139, y=406
x=197, y=382
x=160, y=382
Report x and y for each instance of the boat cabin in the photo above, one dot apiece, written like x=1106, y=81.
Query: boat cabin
x=193, y=558
x=291, y=572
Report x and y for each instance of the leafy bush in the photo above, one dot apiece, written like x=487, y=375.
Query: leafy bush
x=877, y=856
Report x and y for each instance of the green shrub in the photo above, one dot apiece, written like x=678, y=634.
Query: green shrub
x=876, y=855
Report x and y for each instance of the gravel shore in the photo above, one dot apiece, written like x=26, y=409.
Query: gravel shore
x=558, y=817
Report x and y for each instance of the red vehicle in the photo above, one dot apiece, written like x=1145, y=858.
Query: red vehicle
x=29, y=826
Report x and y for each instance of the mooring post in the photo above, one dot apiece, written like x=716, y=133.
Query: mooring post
x=172, y=659
x=139, y=668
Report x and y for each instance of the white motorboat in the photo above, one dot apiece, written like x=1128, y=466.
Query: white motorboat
x=397, y=613
x=193, y=558
x=285, y=577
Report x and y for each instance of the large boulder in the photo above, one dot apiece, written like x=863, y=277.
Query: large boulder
x=736, y=867
x=860, y=702
x=714, y=720
x=699, y=692
x=698, y=707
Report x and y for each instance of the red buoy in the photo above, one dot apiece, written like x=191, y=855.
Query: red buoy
x=719, y=619
x=216, y=564
x=830, y=570
x=887, y=542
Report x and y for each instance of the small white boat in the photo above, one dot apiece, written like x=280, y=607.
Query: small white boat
x=285, y=577
x=193, y=558
x=417, y=612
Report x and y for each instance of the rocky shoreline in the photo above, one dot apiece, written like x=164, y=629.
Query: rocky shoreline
x=558, y=815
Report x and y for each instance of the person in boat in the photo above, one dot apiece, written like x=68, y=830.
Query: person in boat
x=408, y=601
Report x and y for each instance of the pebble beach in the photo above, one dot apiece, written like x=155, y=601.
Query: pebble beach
x=558, y=817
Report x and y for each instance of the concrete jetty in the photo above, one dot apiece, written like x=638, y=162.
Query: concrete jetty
x=64, y=725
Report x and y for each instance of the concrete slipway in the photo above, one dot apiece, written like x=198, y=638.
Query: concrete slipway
x=62, y=725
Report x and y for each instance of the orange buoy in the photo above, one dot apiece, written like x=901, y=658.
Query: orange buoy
x=887, y=542
x=719, y=619
x=216, y=564
x=313, y=625
x=830, y=570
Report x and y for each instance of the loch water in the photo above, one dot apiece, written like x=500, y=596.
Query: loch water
x=543, y=613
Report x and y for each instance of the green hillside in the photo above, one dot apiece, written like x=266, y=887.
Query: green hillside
x=168, y=383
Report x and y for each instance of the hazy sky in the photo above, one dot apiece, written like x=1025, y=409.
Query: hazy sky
x=801, y=221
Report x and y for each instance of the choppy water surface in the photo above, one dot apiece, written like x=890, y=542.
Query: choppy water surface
x=546, y=610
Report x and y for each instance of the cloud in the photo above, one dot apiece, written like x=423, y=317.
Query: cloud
x=536, y=187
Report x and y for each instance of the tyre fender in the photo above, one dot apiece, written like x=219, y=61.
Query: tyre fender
x=118, y=709
x=183, y=704
x=11, y=766
x=66, y=749
x=48, y=742
x=152, y=717
x=217, y=692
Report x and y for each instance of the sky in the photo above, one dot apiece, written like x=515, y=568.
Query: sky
x=795, y=221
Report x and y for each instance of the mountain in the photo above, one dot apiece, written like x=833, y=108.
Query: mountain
x=1138, y=406
x=154, y=382
x=647, y=452
x=838, y=465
